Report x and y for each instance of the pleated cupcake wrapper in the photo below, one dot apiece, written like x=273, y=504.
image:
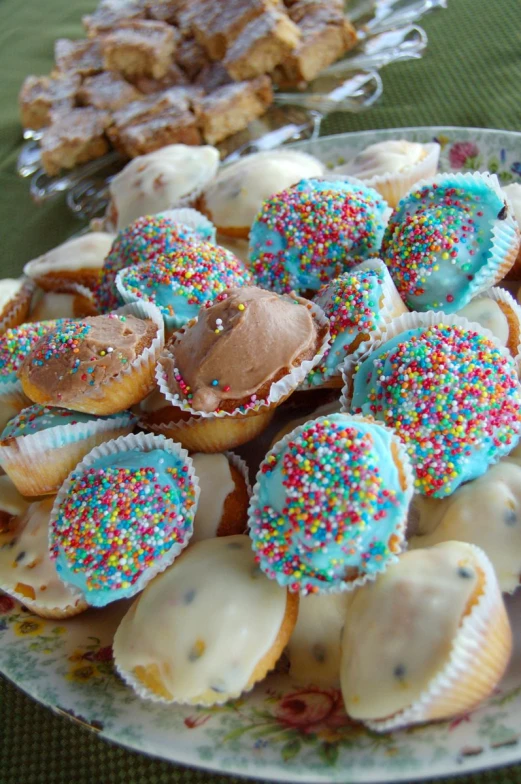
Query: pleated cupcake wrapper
x=411, y=320
x=64, y=280
x=12, y=401
x=404, y=467
x=37, y=463
x=392, y=306
x=141, y=442
x=213, y=434
x=478, y=658
x=194, y=219
x=42, y=610
x=279, y=390
x=112, y=395
x=393, y=187
x=500, y=295
x=15, y=312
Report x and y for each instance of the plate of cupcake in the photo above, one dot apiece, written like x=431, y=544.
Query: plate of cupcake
x=262, y=461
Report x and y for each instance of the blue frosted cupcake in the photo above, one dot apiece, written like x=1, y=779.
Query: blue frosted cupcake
x=329, y=508
x=314, y=231
x=450, y=239
x=180, y=283
x=122, y=516
x=41, y=445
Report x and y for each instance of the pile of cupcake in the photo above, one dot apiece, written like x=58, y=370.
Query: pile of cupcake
x=382, y=530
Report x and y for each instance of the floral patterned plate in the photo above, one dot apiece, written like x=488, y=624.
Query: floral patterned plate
x=281, y=730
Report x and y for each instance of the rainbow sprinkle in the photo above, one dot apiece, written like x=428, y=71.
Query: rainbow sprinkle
x=329, y=505
x=312, y=232
x=452, y=397
x=17, y=343
x=121, y=515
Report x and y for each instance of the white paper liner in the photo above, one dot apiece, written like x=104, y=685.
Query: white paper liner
x=394, y=186
x=405, y=468
x=141, y=442
x=15, y=311
x=194, y=219
x=12, y=401
x=242, y=467
x=411, y=320
x=470, y=638
x=109, y=390
x=171, y=322
x=498, y=294
x=392, y=306
x=29, y=451
x=279, y=390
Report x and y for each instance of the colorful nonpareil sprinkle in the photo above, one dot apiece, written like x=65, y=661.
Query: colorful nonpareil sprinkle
x=439, y=244
x=314, y=231
x=352, y=303
x=329, y=505
x=61, y=340
x=183, y=281
x=17, y=343
x=451, y=395
x=145, y=239
x=120, y=516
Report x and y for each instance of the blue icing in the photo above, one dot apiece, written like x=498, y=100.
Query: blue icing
x=133, y=512
x=36, y=418
x=452, y=397
x=313, y=231
x=439, y=244
x=328, y=503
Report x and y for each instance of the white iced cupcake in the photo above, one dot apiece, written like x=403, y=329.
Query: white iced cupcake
x=77, y=261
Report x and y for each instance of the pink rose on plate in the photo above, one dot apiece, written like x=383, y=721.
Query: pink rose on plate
x=462, y=155
x=6, y=604
x=312, y=710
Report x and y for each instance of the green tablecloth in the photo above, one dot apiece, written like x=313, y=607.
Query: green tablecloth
x=470, y=75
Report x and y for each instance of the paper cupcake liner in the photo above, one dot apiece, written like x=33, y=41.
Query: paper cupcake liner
x=503, y=297
x=403, y=464
x=38, y=463
x=479, y=656
x=393, y=187
x=213, y=434
x=411, y=320
x=279, y=390
x=242, y=467
x=130, y=385
x=16, y=311
x=171, y=322
x=195, y=220
x=392, y=307
x=142, y=442
x=12, y=401
x=42, y=611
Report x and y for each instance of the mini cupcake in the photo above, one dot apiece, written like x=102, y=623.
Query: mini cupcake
x=224, y=496
x=15, y=301
x=179, y=284
x=173, y=176
x=314, y=231
x=54, y=305
x=26, y=570
x=450, y=239
x=146, y=239
x=100, y=365
x=485, y=512
x=223, y=626
x=355, y=303
x=428, y=640
x=12, y=505
x=451, y=394
x=513, y=194
x=330, y=505
x=497, y=311
x=234, y=198
x=77, y=261
x=393, y=167
x=122, y=516
x=314, y=647
x=41, y=445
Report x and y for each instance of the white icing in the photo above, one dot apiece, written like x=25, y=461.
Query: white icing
x=24, y=558
x=206, y=622
x=85, y=252
x=53, y=306
x=513, y=193
x=159, y=180
x=399, y=630
x=314, y=646
x=216, y=484
x=10, y=499
x=9, y=289
x=236, y=196
x=485, y=512
x=391, y=157
x=487, y=313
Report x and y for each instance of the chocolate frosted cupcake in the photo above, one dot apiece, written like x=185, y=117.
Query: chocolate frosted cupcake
x=101, y=365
